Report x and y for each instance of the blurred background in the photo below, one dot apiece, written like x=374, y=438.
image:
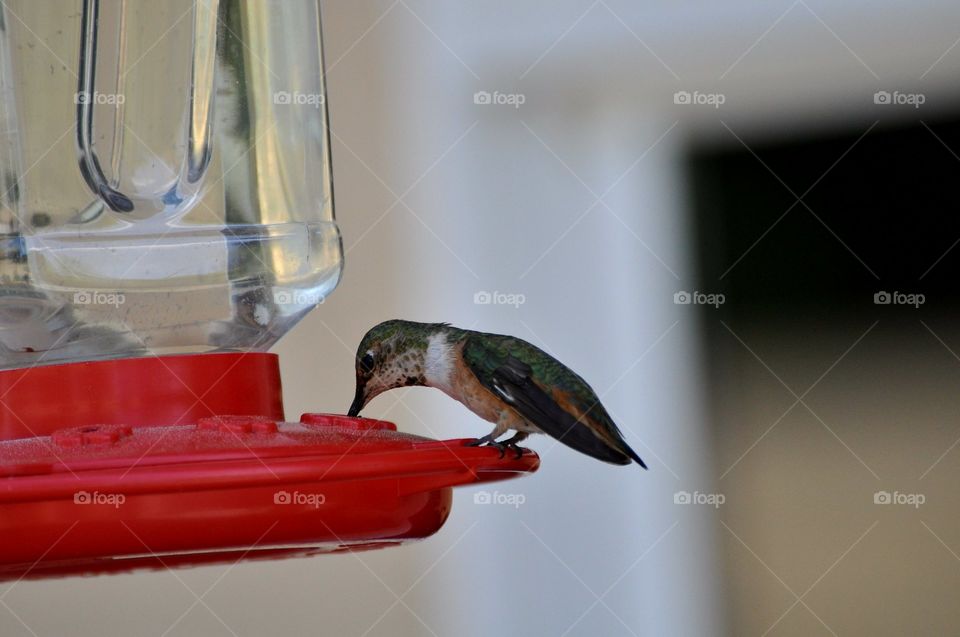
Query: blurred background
x=737, y=220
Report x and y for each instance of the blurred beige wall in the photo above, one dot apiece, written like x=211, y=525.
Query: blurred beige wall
x=806, y=487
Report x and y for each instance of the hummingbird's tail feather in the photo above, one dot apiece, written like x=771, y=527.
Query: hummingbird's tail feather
x=582, y=439
x=613, y=445
x=633, y=454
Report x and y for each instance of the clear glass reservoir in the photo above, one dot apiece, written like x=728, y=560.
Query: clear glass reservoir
x=164, y=176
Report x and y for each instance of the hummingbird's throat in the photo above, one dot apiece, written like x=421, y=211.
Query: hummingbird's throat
x=404, y=370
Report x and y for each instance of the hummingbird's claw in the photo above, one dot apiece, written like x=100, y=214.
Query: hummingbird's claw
x=502, y=447
x=485, y=440
x=512, y=446
x=512, y=443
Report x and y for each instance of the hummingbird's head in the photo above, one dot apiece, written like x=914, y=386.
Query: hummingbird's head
x=391, y=354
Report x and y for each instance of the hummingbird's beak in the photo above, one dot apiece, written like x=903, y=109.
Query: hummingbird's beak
x=358, y=399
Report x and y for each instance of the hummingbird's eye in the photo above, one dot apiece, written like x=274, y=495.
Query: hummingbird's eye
x=366, y=363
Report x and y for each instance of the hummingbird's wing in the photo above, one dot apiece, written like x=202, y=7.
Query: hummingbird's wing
x=514, y=381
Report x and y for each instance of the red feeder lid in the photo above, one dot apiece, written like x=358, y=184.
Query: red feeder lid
x=114, y=468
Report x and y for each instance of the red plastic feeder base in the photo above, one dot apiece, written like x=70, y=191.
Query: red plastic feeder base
x=185, y=460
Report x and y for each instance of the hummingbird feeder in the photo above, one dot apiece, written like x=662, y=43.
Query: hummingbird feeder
x=167, y=215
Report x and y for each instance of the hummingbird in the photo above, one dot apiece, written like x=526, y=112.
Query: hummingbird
x=502, y=379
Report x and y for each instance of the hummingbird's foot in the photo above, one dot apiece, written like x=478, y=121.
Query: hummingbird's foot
x=485, y=440
x=490, y=440
x=502, y=446
x=511, y=444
